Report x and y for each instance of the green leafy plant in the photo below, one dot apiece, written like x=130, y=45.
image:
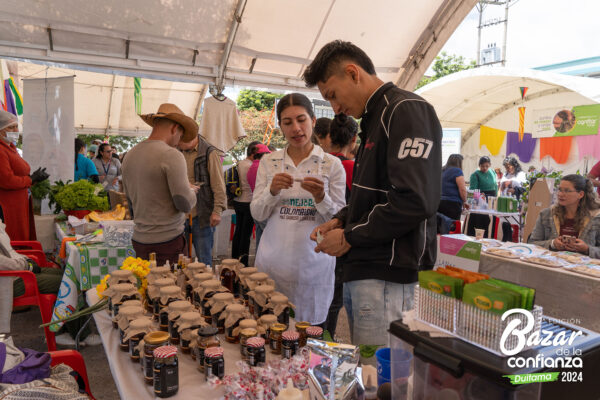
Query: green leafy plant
x=41, y=189
x=81, y=195
x=531, y=178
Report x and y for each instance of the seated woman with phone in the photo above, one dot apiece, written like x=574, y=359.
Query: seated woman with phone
x=574, y=223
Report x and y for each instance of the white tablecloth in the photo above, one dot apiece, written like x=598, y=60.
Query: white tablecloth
x=128, y=375
x=512, y=218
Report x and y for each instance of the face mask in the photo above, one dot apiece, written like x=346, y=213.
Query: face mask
x=13, y=137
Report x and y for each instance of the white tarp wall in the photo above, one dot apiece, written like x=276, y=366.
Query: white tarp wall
x=490, y=96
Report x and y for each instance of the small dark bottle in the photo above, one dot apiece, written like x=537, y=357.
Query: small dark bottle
x=255, y=349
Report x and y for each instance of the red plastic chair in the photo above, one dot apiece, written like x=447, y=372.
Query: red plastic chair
x=39, y=256
x=33, y=297
x=74, y=360
x=457, y=227
x=26, y=245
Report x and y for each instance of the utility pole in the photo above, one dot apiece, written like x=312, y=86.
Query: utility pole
x=481, y=6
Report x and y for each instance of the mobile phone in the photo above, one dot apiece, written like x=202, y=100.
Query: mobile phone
x=567, y=239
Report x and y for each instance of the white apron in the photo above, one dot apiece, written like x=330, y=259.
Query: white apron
x=288, y=255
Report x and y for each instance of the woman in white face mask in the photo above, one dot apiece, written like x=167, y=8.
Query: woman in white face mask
x=15, y=204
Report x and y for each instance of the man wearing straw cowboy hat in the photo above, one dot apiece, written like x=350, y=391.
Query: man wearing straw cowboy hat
x=156, y=185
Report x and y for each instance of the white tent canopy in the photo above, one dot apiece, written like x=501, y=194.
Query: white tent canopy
x=491, y=97
x=259, y=43
x=104, y=104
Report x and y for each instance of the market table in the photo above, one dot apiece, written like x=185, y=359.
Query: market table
x=511, y=218
x=85, y=266
x=130, y=380
x=565, y=295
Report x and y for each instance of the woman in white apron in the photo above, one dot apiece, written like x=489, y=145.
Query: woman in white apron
x=297, y=189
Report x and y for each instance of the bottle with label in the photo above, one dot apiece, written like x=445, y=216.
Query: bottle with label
x=166, y=371
x=214, y=364
x=152, y=341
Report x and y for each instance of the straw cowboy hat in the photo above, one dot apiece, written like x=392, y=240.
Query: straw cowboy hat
x=172, y=112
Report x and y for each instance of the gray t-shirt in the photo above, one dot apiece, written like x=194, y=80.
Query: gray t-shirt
x=107, y=172
x=155, y=182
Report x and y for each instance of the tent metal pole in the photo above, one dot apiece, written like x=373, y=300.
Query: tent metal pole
x=237, y=19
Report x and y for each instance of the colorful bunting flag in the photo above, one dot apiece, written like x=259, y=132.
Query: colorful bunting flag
x=521, y=122
x=137, y=93
x=523, y=90
x=491, y=138
x=17, y=96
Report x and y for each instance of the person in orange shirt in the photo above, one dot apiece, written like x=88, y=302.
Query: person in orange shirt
x=15, y=203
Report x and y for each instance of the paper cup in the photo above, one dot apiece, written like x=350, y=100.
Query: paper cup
x=479, y=233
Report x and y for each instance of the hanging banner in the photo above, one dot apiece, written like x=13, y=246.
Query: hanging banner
x=491, y=138
x=450, y=142
x=564, y=121
x=48, y=126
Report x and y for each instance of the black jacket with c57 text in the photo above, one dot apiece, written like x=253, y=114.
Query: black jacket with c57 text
x=390, y=219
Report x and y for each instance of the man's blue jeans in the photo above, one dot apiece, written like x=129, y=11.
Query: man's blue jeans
x=372, y=305
x=202, y=238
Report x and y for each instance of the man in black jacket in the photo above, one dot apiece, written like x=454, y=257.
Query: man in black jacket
x=387, y=233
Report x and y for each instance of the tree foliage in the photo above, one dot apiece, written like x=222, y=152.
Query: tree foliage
x=256, y=99
x=255, y=124
x=446, y=64
x=120, y=143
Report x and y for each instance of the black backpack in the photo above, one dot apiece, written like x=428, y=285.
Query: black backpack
x=232, y=183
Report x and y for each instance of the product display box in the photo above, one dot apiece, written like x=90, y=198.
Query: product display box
x=460, y=251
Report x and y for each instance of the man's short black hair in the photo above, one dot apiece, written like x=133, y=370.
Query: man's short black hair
x=321, y=128
x=329, y=57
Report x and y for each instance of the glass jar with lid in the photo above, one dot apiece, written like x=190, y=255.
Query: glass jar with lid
x=152, y=341
x=135, y=332
x=187, y=324
x=289, y=344
x=231, y=317
x=166, y=371
x=243, y=275
x=118, y=293
x=246, y=334
x=301, y=327
x=264, y=325
x=228, y=273
x=314, y=332
x=121, y=276
x=210, y=288
x=279, y=305
x=275, y=333
x=198, y=290
x=214, y=363
x=126, y=315
x=255, y=349
x=206, y=337
x=153, y=292
x=217, y=304
x=168, y=294
x=259, y=298
x=192, y=269
x=175, y=309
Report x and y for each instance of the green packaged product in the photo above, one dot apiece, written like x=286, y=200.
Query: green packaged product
x=527, y=293
x=442, y=284
x=488, y=297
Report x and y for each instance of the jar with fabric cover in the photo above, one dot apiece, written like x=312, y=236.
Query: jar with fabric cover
x=264, y=326
x=187, y=324
x=153, y=293
x=175, y=310
x=217, y=305
x=255, y=348
x=279, y=305
x=126, y=315
x=209, y=289
x=314, y=332
x=134, y=333
x=197, y=288
x=168, y=294
x=205, y=337
x=166, y=371
x=118, y=293
x=231, y=317
x=192, y=269
x=243, y=275
x=152, y=341
x=259, y=298
x=228, y=273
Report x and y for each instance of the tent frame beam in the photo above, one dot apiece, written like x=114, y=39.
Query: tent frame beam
x=237, y=20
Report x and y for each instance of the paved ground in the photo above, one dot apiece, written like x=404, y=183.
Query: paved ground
x=27, y=334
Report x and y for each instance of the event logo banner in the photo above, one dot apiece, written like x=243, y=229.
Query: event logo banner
x=563, y=121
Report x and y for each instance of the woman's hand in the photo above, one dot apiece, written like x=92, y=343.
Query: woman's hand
x=578, y=246
x=315, y=186
x=557, y=244
x=281, y=181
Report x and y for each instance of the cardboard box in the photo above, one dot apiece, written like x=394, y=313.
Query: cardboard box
x=459, y=251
